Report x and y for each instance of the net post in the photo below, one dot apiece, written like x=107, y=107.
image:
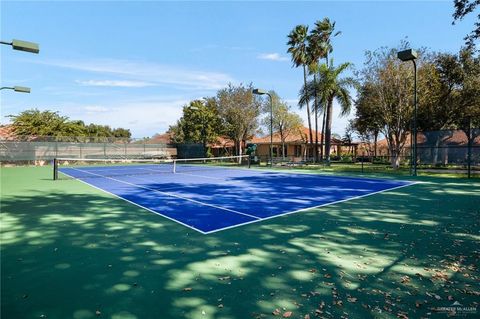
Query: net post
x=249, y=161
x=174, y=166
x=55, y=169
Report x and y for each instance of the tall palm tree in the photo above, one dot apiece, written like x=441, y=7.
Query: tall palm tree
x=322, y=33
x=297, y=47
x=315, y=51
x=330, y=87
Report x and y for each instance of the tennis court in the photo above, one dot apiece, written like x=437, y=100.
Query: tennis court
x=70, y=250
x=209, y=198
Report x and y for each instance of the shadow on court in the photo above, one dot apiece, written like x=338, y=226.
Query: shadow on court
x=69, y=251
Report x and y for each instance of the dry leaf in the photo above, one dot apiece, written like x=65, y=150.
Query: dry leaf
x=287, y=314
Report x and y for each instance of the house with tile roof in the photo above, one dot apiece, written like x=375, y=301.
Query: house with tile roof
x=297, y=145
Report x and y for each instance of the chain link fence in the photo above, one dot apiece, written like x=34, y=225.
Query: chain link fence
x=445, y=151
x=39, y=150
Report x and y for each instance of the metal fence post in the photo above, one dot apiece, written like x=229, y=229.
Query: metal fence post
x=469, y=154
x=55, y=169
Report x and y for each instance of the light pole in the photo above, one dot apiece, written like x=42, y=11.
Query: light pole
x=204, y=131
x=262, y=92
x=23, y=46
x=21, y=89
x=411, y=55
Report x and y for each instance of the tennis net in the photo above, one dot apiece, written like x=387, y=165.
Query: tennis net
x=77, y=168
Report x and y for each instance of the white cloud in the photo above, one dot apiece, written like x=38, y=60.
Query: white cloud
x=272, y=57
x=114, y=83
x=146, y=72
x=93, y=109
x=142, y=117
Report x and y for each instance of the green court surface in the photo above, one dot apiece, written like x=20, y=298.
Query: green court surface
x=71, y=251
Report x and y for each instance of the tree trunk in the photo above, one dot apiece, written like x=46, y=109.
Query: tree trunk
x=322, y=137
x=316, y=120
x=375, y=139
x=308, y=106
x=239, y=150
x=395, y=157
x=328, y=131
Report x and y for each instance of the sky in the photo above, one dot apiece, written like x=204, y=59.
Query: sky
x=134, y=64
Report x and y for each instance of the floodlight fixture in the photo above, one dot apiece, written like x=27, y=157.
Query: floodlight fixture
x=21, y=89
x=259, y=92
x=407, y=55
x=23, y=46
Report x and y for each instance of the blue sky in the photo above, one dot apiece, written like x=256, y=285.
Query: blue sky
x=135, y=64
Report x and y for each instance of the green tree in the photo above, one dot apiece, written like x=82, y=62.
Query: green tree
x=367, y=121
x=285, y=122
x=49, y=123
x=320, y=47
x=239, y=110
x=468, y=89
x=449, y=95
x=121, y=133
x=462, y=8
x=45, y=123
x=330, y=87
x=201, y=122
x=297, y=47
x=389, y=85
x=176, y=132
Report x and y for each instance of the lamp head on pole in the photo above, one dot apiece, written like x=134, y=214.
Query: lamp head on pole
x=259, y=92
x=21, y=89
x=25, y=46
x=407, y=55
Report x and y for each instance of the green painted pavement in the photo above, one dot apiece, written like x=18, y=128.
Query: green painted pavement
x=71, y=251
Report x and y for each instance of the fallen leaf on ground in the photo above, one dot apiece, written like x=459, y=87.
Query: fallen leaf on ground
x=352, y=299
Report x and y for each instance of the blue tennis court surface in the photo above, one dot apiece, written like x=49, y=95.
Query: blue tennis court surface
x=214, y=199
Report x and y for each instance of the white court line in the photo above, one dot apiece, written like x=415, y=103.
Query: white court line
x=172, y=195
x=202, y=176
x=307, y=208
x=136, y=204
x=257, y=219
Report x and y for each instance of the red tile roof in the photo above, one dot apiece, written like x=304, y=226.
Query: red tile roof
x=164, y=138
x=301, y=136
x=458, y=137
x=7, y=132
